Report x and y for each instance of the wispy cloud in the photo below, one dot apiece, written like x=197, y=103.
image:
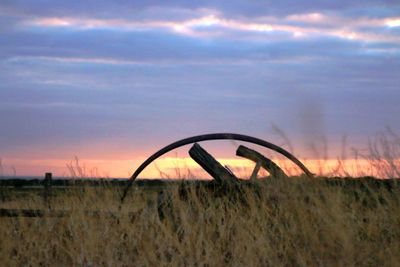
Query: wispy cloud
x=209, y=26
x=392, y=22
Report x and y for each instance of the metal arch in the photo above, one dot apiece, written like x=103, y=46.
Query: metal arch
x=213, y=136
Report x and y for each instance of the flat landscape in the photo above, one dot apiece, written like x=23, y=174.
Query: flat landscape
x=294, y=221
x=199, y=133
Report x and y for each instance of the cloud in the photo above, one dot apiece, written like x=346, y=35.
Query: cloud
x=233, y=8
x=392, y=22
x=136, y=75
x=210, y=26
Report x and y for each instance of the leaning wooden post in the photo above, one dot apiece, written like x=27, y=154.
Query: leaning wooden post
x=221, y=174
x=47, y=188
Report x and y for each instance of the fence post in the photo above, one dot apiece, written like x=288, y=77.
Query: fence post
x=47, y=188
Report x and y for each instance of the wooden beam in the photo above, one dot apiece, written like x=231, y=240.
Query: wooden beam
x=266, y=163
x=256, y=169
x=211, y=165
x=48, y=177
x=31, y=213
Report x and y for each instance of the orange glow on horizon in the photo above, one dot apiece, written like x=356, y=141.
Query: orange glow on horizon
x=184, y=167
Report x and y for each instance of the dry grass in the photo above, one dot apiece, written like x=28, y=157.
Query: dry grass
x=295, y=221
x=275, y=222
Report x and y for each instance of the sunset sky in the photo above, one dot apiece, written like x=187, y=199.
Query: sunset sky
x=113, y=81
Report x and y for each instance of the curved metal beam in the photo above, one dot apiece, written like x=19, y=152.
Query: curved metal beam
x=213, y=136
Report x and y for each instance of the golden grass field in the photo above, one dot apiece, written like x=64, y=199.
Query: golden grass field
x=275, y=222
x=295, y=221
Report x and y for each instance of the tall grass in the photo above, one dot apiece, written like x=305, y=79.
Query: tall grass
x=295, y=221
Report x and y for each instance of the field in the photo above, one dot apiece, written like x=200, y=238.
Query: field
x=274, y=221
x=296, y=221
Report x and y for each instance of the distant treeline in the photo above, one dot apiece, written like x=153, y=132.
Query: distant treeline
x=368, y=182
x=15, y=182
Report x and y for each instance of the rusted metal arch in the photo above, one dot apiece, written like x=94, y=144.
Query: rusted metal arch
x=213, y=136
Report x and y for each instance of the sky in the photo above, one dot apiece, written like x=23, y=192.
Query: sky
x=111, y=82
